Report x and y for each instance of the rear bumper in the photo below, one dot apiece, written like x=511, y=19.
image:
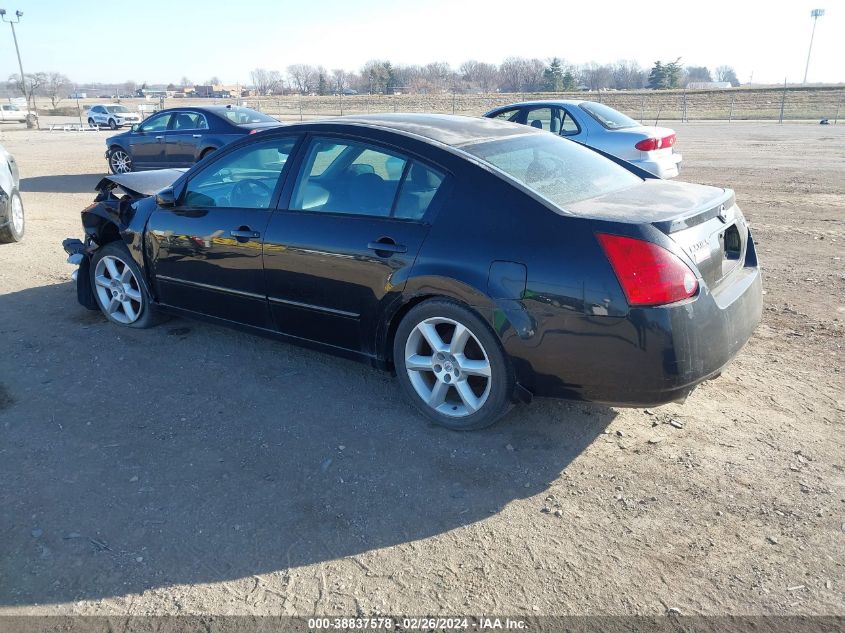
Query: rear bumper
x=649, y=357
x=668, y=167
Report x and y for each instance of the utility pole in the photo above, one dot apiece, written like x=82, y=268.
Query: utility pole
x=12, y=22
x=815, y=14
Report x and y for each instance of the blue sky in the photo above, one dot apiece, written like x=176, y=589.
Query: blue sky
x=160, y=41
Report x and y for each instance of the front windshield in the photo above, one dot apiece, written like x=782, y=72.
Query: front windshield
x=118, y=109
x=607, y=116
x=560, y=170
x=245, y=116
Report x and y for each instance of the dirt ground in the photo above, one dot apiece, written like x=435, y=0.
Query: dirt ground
x=192, y=469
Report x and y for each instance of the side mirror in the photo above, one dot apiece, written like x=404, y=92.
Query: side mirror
x=166, y=198
x=136, y=127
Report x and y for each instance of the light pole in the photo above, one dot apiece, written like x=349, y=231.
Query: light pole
x=12, y=22
x=815, y=14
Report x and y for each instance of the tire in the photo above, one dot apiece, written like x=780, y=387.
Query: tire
x=451, y=373
x=112, y=124
x=14, y=230
x=120, y=162
x=121, y=297
x=91, y=123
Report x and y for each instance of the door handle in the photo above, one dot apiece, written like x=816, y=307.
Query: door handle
x=197, y=135
x=158, y=138
x=244, y=233
x=386, y=246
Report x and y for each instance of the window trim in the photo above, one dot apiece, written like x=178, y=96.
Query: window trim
x=221, y=154
x=284, y=202
x=518, y=111
x=156, y=115
x=191, y=129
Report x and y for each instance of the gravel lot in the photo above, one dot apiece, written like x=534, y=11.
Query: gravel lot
x=192, y=469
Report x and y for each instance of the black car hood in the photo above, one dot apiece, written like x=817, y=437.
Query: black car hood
x=142, y=183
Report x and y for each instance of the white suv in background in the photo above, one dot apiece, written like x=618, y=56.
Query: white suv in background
x=113, y=115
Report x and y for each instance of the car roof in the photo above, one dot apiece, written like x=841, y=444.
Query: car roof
x=448, y=129
x=569, y=102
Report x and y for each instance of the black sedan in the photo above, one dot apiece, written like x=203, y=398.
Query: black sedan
x=179, y=137
x=483, y=261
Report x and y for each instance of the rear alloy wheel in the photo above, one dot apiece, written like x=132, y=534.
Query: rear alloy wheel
x=117, y=284
x=452, y=366
x=112, y=124
x=14, y=230
x=120, y=162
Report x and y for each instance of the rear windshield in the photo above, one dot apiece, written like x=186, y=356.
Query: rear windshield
x=117, y=109
x=560, y=170
x=607, y=116
x=245, y=116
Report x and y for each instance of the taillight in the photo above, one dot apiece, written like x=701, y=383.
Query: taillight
x=651, y=144
x=253, y=131
x=649, y=274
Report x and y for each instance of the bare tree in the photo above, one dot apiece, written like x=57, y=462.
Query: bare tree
x=522, y=75
x=727, y=73
x=438, y=75
x=185, y=82
x=597, y=76
x=627, y=75
x=214, y=81
x=481, y=75
x=340, y=80
x=56, y=86
x=302, y=77
x=266, y=81
x=129, y=86
x=29, y=86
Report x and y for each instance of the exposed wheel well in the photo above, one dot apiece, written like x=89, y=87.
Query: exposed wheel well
x=395, y=320
x=206, y=152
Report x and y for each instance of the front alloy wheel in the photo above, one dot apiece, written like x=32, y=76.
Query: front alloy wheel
x=120, y=162
x=118, y=290
x=452, y=365
x=14, y=229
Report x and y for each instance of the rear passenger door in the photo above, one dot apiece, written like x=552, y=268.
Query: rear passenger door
x=339, y=250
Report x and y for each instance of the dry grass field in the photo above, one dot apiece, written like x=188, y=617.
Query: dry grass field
x=192, y=469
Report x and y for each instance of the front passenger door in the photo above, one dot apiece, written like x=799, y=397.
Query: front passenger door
x=146, y=145
x=207, y=249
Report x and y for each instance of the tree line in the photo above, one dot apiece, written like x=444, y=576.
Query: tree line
x=514, y=74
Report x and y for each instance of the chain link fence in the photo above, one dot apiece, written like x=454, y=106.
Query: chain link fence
x=770, y=104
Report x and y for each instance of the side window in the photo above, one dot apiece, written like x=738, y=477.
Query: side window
x=543, y=119
x=189, y=121
x=418, y=190
x=156, y=123
x=354, y=178
x=507, y=115
x=245, y=178
x=348, y=177
x=568, y=125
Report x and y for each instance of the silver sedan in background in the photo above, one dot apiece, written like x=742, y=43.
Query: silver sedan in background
x=597, y=125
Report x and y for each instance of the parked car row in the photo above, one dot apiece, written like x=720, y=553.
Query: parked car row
x=179, y=137
x=485, y=261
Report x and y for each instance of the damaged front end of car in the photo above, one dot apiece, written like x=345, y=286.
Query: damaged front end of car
x=109, y=218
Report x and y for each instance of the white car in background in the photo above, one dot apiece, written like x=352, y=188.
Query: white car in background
x=112, y=115
x=11, y=112
x=599, y=126
x=11, y=206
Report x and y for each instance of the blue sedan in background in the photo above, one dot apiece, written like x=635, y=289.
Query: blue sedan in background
x=600, y=126
x=179, y=137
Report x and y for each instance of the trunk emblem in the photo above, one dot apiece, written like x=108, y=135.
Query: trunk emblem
x=723, y=214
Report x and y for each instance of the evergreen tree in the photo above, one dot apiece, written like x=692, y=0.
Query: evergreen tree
x=673, y=74
x=657, y=76
x=553, y=77
x=569, y=83
x=322, y=84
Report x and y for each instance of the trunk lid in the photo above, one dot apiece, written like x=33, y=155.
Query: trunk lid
x=704, y=221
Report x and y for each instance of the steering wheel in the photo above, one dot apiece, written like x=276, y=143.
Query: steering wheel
x=251, y=193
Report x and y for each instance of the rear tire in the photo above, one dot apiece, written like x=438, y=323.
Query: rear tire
x=118, y=287
x=452, y=366
x=14, y=230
